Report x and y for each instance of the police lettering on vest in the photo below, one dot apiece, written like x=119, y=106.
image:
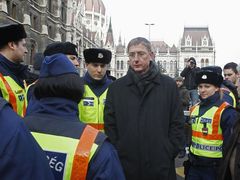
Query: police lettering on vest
x=69, y=157
x=207, y=138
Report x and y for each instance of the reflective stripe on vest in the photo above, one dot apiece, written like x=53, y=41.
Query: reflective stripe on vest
x=68, y=157
x=91, y=108
x=229, y=93
x=14, y=94
x=207, y=136
x=26, y=89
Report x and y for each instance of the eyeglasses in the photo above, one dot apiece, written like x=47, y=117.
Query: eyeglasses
x=227, y=75
x=139, y=54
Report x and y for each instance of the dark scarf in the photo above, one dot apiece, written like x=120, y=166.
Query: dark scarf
x=143, y=80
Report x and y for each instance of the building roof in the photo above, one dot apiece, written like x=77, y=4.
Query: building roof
x=95, y=5
x=109, y=38
x=196, y=34
x=173, y=49
x=159, y=46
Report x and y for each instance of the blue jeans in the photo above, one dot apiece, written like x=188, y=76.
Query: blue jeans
x=193, y=96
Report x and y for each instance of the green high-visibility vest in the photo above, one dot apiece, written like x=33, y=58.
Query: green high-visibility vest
x=207, y=139
x=91, y=108
x=69, y=157
x=13, y=93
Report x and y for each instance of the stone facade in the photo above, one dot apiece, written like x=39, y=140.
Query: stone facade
x=48, y=21
x=85, y=23
x=196, y=42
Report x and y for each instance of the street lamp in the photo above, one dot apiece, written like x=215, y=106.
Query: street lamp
x=149, y=29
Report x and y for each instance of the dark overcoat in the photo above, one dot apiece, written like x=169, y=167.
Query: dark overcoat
x=147, y=129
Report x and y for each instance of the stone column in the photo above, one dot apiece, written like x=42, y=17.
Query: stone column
x=58, y=35
x=3, y=6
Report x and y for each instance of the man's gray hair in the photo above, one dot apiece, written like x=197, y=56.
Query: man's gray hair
x=140, y=40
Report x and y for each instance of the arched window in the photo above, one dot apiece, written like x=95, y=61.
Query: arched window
x=50, y=31
x=202, y=62
x=165, y=65
x=32, y=51
x=204, y=41
x=117, y=65
x=63, y=12
x=171, y=66
x=207, y=62
x=12, y=9
x=175, y=65
x=121, y=64
x=158, y=64
x=188, y=41
x=50, y=6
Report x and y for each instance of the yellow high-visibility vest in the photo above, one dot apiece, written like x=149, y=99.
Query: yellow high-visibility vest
x=14, y=94
x=207, y=138
x=91, y=108
x=69, y=157
x=229, y=93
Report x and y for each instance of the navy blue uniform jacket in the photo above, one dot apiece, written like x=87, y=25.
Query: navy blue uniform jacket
x=58, y=116
x=20, y=155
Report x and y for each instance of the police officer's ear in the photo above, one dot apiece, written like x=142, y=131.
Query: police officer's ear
x=11, y=45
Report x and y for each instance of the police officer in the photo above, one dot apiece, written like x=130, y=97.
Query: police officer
x=67, y=48
x=12, y=72
x=21, y=156
x=227, y=88
x=189, y=73
x=74, y=150
x=96, y=84
x=212, y=122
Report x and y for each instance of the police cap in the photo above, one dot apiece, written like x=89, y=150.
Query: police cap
x=97, y=55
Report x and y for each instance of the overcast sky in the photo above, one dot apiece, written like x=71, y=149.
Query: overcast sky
x=170, y=17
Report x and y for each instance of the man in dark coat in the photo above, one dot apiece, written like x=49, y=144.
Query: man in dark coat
x=189, y=74
x=20, y=155
x=143, y=117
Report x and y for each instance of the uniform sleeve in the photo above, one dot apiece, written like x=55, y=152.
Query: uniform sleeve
x=20, y=155
x=105, y=165
x=228, y=120
x=228, y=98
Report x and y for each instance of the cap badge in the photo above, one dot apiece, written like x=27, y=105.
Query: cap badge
x=204, y=76
x=100, y=55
